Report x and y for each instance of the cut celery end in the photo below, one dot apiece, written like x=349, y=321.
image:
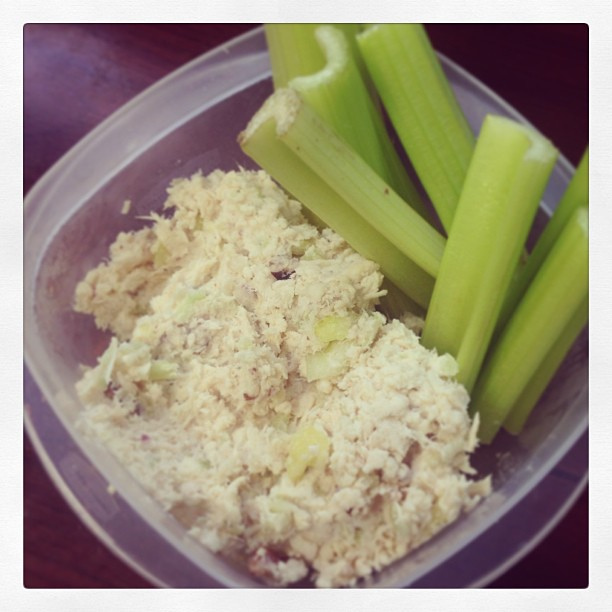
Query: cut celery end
x=575, y=195
x=538, y=383
x=294, y=50
x=261, y=142
x=423, y=109
x=547, y=309
x=503, y=187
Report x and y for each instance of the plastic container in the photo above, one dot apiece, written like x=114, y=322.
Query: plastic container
x=188, y=122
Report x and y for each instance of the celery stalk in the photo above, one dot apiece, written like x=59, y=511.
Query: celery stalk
x=557, y=293
x=576, y=195
x=340, y=96
x=503, y=186
x=540, y=380
x=260, y=140
x=294, y=51
x=423, y=109
x=337, y=164
x=338, y=93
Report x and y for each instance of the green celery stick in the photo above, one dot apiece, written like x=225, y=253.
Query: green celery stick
x=423, y=109
x=339, y=95
x=294, y=51
x=538, y=383
x=502, y=190
x=261, y=142
x=576, y=195
x=315, y=142
x=554, y=297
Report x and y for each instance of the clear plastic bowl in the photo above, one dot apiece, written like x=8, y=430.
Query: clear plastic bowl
x=187, y=122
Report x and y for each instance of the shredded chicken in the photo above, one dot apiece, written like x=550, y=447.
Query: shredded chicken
x=254, y=389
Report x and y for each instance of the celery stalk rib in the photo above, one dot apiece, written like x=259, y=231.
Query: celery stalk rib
x=423, y=109
x=576, y=195
x=338, y=93
x=260, y=140
x=557, y=293
x=503, y=186
x=539, y=381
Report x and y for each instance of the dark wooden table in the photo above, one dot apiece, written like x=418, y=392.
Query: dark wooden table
x=77, y=75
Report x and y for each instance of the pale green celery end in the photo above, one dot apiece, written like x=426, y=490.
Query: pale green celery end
x=544, y=313
x=293, y=51
x=501, y=194
x=575, y=195
x=345, y=172
x=351, y=30
x=538, y=383
x=421, y=104
x=340, y=96
x=297, y=178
